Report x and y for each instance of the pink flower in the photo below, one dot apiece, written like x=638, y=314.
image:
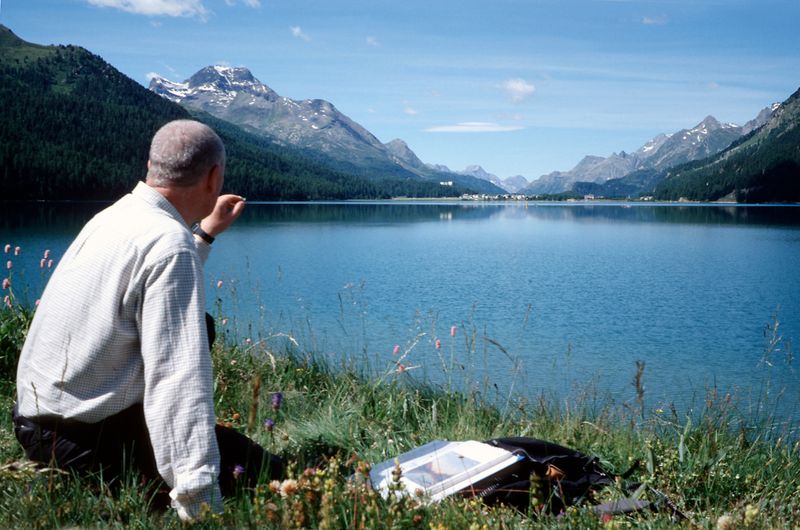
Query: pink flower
x=452, y=331
x=9, y=264
x=36, y=303
x=47, y=253
x=401, y=368
x=42, y=263
x=224, y=321
x=6, y=283
x=396, y=349
x=49, y=263
x=7, y=248
x=219, y=284
x=438, y=344
x=17, y=250
x=7, y=300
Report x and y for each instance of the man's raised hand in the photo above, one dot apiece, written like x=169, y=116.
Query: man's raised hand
x=225, y=212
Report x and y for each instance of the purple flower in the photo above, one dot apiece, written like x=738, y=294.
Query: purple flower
x=277, y=399
x=269, y=424
x=238, y=471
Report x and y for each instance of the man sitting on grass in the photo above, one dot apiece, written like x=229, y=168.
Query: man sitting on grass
x=116, y=371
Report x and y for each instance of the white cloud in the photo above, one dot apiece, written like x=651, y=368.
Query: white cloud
x=410, y=111
x=248, y=3
x=517, y=89
x=150, y=75
x=298, y=32
x=373, y=41
x=170, y=8
x=655, y=21
x=474, y=127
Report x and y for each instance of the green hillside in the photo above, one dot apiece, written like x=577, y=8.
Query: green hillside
x=73, y=127
x=763, y=166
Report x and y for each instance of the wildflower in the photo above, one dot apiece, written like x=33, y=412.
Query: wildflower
x=401, y=368
x=7, y=248
x=288, y=487
x=438, y=344
x=36, y=303
x=46, y=253
x=224, y=321
x=219, y=284
x=725, y=522
x=452, y=331
x=7, y=300
x=247, y=340
x=238, y=471
x=269, y=424
x=277, y=399
x=6, y=283
x=396, y=349
x=9, y=264
x=17, y=250
x=275, y=486
x=49, y=263
x=42, y=263
x=750, y=514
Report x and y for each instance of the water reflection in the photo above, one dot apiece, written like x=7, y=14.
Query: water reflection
x=69, y=217
x=416, y=212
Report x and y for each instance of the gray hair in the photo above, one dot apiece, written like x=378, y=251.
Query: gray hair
x=182, y=152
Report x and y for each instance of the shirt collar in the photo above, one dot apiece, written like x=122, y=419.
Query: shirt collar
x=149, y=195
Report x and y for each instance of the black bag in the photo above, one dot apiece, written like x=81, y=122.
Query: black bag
x=558, y=477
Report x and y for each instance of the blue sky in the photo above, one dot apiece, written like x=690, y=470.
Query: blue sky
x=518, y=86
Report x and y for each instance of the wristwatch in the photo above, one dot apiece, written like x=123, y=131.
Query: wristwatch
x=202, y=234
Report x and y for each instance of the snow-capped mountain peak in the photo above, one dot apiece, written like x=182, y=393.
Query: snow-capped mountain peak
x=217, y=85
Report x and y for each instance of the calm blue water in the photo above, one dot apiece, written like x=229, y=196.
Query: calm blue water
x=547, y=298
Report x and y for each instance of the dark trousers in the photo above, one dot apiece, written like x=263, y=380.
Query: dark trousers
x=122, y=442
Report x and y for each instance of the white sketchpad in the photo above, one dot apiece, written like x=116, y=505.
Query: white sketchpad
x=441, y=468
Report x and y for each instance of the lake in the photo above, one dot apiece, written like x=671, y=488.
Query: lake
x=542, y=298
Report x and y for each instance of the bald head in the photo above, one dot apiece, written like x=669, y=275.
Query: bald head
x=183, y=152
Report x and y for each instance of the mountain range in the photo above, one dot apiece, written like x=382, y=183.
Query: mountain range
x=73, y=127
x=61, y=108
x=314, y=125
x=662, y=152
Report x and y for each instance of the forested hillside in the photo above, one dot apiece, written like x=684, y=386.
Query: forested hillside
x=73, y=127
x=763, y=166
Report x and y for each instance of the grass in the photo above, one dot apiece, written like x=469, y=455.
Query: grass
x=719, y=469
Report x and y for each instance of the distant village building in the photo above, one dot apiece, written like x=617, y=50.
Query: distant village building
x=446, y=183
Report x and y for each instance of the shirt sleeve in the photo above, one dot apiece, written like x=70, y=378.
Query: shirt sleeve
x=178, y=394
x=203, y=248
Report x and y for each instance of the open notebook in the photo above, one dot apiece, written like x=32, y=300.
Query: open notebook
x=441, y=468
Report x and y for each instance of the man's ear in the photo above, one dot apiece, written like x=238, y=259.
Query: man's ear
x=214, y=179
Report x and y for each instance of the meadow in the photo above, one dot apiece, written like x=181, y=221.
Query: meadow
x=718, y=467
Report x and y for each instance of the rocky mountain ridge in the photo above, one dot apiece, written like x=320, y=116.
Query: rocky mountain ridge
x=314, y=125
x=663, y=151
